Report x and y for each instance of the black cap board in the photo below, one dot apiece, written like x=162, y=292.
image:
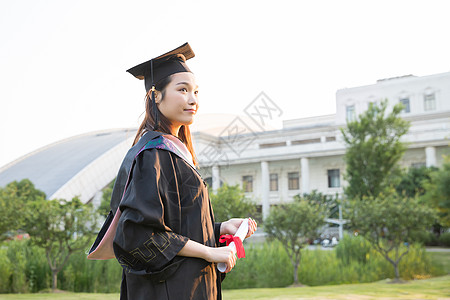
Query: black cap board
x=162, y=66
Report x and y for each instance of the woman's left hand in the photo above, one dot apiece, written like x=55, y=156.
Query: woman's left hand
x=232, y=225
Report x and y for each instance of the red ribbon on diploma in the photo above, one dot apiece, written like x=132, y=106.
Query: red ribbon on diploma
x=237, y=242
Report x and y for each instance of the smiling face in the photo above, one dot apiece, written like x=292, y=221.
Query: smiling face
x=180, y=102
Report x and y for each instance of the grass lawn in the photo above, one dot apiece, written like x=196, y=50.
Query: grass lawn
x=434, y=288
x=441, y=258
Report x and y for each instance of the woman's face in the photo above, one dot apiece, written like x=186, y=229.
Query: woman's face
x=180, y=101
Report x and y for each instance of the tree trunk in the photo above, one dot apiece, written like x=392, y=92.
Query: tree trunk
x=397, y=273
x=295, y=273
x=54, y=279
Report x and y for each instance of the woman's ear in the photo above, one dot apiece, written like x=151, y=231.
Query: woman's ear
x=157, y=97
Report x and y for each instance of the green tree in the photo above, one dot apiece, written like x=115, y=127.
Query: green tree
x=104, y=207
x=373, y=150
x=328, y=202
x=438, y=192
x=388, y=221
x=413, y=180
x=61, y=228
x=413, y=183
x=294, y=224
x=13, y=198
x=230, y=202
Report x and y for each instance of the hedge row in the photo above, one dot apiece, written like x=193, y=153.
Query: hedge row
x=24, y=269
x=430, y=239
x=353, y=261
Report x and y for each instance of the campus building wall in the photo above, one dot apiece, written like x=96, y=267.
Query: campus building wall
x=314, y=147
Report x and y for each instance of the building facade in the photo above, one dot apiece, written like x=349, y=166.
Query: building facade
x=307, y=154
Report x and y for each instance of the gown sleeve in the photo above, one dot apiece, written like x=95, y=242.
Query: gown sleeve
x=146, y=240
x=217, y=233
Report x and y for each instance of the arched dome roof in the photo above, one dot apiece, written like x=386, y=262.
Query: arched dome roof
x=79, y=165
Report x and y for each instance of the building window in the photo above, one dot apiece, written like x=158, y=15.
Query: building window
x=405, y=102
x=247, y=182
x=429, y=102
x=333, y=178
x=351, y=113
x=274, y=182
x=272, y=145
x=293, y=181
x=308, y=141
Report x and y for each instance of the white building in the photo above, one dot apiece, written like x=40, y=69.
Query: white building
x=307, y=153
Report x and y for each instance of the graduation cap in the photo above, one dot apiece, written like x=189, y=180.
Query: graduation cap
x=162, y=66
x=155, y=69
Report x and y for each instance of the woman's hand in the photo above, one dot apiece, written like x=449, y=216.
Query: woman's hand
x=232, y=225
x=222, y=255
x=211, y=254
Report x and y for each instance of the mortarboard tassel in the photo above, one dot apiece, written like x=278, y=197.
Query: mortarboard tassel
x=155, y=110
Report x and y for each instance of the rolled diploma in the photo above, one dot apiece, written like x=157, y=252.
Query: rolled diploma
x=241, y=233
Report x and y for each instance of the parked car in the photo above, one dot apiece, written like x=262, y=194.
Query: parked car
x=327, y=242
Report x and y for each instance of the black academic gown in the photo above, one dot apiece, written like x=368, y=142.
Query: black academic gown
x=166, y=204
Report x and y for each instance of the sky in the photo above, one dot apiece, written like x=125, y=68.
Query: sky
x=63, y=63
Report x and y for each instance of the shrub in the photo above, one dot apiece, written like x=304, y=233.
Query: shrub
x=352, y=249
x=23, y=268
x=444, y=239
x=425, y=237
x=17, y=256
x=98, y=276
x=5, y=271
x=265, y=265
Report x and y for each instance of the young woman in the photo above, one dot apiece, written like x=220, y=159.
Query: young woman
x=167, y=240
